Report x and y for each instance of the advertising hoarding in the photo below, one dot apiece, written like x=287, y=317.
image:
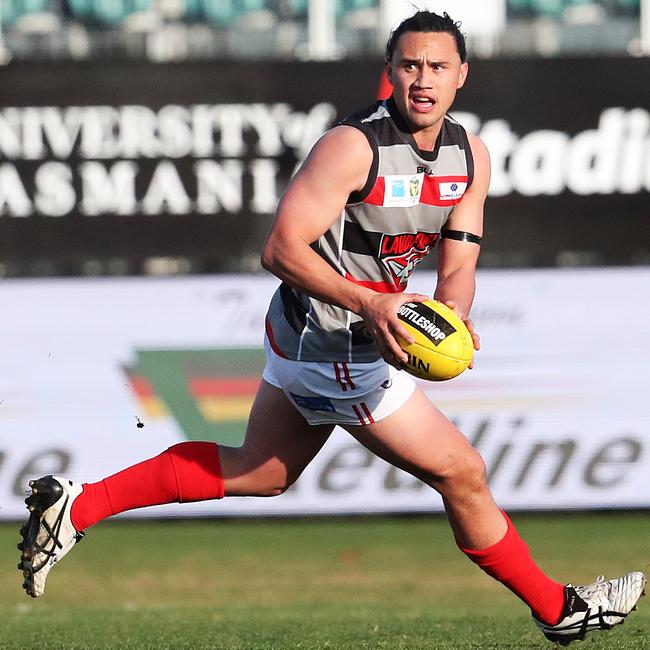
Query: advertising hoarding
x=556, y=403
x=105, y=166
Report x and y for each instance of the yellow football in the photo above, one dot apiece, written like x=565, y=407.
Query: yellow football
x=442, y=346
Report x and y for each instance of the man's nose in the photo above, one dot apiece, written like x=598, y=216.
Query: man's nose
x=425, y=77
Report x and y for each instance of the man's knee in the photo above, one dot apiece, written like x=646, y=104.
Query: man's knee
x=463, y=475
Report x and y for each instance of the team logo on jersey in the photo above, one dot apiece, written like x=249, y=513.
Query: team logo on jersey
x=401, y=253
x=402, y=190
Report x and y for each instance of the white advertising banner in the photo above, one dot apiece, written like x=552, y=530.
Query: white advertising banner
x=98, y=374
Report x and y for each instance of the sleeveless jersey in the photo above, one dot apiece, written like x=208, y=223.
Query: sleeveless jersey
x=383, y=232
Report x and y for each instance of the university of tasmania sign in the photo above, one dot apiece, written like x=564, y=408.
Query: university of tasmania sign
x=133, y=161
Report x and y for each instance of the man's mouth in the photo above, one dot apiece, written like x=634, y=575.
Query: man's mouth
x=422, y=104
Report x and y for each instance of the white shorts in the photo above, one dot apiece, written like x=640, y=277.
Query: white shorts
x=339, y=392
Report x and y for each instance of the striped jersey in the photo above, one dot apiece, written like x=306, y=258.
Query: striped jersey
x=383, y=232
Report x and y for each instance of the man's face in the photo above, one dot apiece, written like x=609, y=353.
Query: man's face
x=426, y=71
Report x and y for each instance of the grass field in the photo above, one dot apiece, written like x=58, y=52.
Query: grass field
x=394, y=583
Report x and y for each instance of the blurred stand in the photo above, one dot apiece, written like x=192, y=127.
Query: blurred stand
x=176, y=30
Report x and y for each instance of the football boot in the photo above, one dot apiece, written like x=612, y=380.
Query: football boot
x=596, y=606
x=48, y=534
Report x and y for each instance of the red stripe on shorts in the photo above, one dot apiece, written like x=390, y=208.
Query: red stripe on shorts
x=366, y=410
x=339, y=380
x=346, y=370
x=358, y=413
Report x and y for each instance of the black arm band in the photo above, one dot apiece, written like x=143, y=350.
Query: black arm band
x=461, y=235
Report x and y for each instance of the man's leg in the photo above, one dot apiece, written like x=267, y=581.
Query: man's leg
x=278, y=446
x=418, y=438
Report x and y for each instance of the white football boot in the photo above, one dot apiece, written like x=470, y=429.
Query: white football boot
x=48, y=534
x=596, y=606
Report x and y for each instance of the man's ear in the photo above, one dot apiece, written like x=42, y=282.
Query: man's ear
x=388, y=68
x=462, y=76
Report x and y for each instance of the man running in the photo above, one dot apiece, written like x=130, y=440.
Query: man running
x=374, y=196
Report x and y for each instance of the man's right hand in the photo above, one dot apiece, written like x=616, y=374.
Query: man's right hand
x=379, y=312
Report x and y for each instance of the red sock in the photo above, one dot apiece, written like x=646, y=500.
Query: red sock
x=188, y=471
x=509, y=562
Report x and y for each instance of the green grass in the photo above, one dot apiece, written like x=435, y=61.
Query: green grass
x=394, y=583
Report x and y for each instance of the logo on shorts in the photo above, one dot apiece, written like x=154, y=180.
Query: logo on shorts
x=387, y=384
x=313, y=403
x=401, y=253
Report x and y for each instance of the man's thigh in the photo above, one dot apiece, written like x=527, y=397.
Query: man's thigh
x=279, y=444
x=417, y=438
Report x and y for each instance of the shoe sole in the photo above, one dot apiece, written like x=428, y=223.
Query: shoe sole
x=565, y=639
x=46, y=492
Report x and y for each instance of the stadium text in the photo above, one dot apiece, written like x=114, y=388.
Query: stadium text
x=232, y=158
x=131, y=159
x=613, y=157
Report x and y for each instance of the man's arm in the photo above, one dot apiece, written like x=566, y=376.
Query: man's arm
x=338, y=164
x=457, y=259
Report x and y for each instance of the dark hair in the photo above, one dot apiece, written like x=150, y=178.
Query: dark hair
x=428, y=21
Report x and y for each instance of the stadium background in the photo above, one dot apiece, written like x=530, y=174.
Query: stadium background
x=143, y=145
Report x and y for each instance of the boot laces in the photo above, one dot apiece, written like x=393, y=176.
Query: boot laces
x=595, y=590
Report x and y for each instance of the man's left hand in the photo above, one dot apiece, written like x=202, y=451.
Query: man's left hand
x=476, y=339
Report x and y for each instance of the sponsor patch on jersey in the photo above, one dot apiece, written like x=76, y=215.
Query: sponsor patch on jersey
x=402, y=190
x=397, y=188
x=317, y=403
x=452, y=190
x=400, y=253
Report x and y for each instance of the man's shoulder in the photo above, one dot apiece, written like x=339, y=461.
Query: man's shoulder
x=345, y=152
x=345, y=144
x=479, y=148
